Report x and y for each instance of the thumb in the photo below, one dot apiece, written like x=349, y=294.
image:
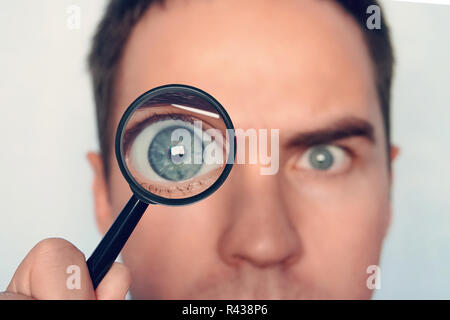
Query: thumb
x=53, y=269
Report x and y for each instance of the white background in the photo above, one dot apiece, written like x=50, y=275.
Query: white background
x=47, y=125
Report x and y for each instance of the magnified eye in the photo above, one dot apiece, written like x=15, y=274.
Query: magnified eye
x=170, y=150
x=327, y=158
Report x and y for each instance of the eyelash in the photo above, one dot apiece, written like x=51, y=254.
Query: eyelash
x=347, y=149
x=136, y=128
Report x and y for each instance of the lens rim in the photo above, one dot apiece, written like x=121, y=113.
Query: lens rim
x=138, y=190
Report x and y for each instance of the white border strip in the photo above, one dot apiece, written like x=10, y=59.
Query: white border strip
x=443, y=2
x=203, y=112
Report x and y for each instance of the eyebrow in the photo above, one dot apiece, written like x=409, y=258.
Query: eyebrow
x=342, y=129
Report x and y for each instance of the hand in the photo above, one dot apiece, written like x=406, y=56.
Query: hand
x=43, y=275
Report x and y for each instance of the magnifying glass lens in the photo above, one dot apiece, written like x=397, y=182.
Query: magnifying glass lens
x=175, y=144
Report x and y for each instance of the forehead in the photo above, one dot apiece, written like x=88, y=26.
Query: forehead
x=270, y=63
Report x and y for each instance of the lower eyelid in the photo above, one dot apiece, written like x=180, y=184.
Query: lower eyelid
x=180, y=190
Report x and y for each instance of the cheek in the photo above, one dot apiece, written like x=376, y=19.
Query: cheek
x=356, y=201
x=341, y=219
x=171, y=249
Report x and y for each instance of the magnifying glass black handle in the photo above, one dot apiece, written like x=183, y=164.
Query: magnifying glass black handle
x=112, y=243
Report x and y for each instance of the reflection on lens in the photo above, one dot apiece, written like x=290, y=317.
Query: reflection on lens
x=175, y=145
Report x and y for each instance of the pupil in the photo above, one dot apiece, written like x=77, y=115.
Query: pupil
x=162, y=150
x=321, y=158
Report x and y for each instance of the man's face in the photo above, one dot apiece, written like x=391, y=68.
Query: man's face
x=307, y=232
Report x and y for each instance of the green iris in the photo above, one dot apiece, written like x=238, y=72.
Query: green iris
x=321, y=158
x=161, y=155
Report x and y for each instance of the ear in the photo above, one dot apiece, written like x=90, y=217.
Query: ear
x=100, y=192
x=393, y=154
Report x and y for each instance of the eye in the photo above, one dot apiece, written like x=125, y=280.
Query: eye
x=170, y=150
x=326, y=158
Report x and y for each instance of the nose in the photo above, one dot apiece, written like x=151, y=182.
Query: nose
x=258, y=229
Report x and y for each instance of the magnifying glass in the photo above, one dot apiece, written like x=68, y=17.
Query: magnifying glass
x=175, y=145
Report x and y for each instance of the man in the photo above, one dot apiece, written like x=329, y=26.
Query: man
x=309, y=68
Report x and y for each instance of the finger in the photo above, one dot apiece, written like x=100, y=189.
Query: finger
x=115, y=284
x=13, y=296
x=53, y=269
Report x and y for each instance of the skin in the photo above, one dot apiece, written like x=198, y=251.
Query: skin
x=298, y=66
